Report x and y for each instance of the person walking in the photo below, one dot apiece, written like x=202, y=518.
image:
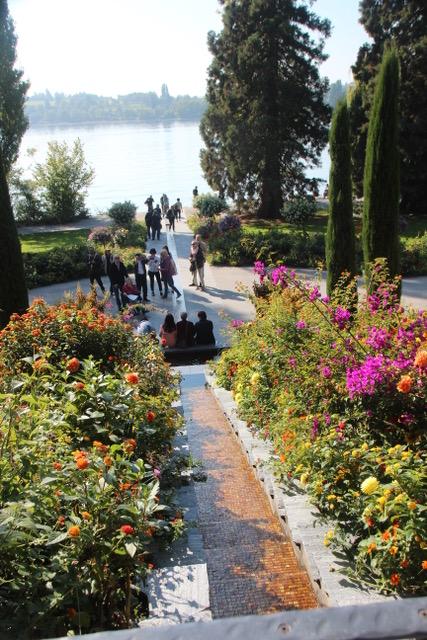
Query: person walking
x=168, y=270
x=171, y=219
x=178, y=208
x=118, y=276
x=96, y=269
x=108, y=261
x=195, y=192
x=164, y=203
x=156, y=223
x=148, y=218
x=203, y=330
x=141, y=275
x=153, y=267
x=184, y=332
x=197, y=265
x=149, y=202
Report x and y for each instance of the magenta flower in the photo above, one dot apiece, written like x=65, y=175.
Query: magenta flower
x=301, y=324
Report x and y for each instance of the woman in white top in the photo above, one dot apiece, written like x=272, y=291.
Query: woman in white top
x=153, y=268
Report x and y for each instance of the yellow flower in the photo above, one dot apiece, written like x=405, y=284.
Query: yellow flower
x=328, y=537
x=307, y=445
x=393, y=550
x=411, y=505
x=370, y=485
x=303, y=479
x=239, y=387
x=364, y=447
x=389, y=470
x=331, y=496
x=255, y=378
x=238, y=398
x=387, y=493
x=405, y=455
x=299, y=468
x=382, y=500
x=355, y=453
x=400, y=498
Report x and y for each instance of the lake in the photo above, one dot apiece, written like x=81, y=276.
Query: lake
x=132, y=161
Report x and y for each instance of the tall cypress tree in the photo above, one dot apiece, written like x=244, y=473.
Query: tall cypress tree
x=13, y=122
x=266, y=112
x=340, y=246
x=381, y=178
x=13, y=291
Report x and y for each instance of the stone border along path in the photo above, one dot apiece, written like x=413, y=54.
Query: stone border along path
x=237, y=560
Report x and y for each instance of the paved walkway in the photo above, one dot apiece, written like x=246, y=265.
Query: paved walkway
x=251, y=566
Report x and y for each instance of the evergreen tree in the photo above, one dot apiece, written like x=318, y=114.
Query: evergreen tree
x=340, y=246
x=403, y=23
x=358, y=131
x=13, y=291
x=266, y=114
x=13, y=89
x=381, y=179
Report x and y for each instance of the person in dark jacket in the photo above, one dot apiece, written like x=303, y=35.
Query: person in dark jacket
x=96, y=269
x=171, y=219
x=118, y=275
x=203, y=330
x=156, y=223
x=185, y=332
x=148, y=217
x=141, y=275
x=108, y=260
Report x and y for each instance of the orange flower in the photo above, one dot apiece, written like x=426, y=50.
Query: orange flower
x=132, y=378
x=386, y=536
x=74, y=531
x=404, y=385
x=124, y=486
x=371, y=547
x=79, y=454
x=73, y=365
x=86, y=515
x=424, y=565
x=369, y=522
x=404, y=564
x=35, y=332
x=393, y=550
x=129, y=445
x=421, y=359
x=82, y=463
x=108, y=461
x=98, y=445
x=394, y=579
x=39, y=364
x=151, y=416
x=79, y=386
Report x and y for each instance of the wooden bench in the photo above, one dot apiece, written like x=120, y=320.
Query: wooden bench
x=193, y=355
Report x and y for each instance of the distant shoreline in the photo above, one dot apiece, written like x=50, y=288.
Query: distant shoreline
x=85, y=123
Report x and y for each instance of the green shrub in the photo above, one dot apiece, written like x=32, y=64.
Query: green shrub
x=122, y=213
x=209, y=205
x=299, y=211
x=133, y=236
x=414, y=255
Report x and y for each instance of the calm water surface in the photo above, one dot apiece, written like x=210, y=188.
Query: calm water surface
x=132, y=161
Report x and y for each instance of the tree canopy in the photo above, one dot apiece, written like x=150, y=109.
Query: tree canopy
x=403, y=23
x=13, y=122
x=266, y=117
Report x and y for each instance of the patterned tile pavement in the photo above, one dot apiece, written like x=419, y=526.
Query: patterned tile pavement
x=252, y=568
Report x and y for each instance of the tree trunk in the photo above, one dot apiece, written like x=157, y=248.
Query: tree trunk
x=13, y=290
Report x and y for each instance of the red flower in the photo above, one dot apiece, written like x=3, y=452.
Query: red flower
x=127, y=529
x=132, y=378
x=57, y=466
x=163, y=342
x=73, y=365
x=79, y=386
x=150, y=416
x=129, y=445
x=394, y=579
x=82, y=463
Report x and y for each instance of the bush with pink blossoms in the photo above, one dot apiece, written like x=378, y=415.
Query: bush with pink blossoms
x=340, y=391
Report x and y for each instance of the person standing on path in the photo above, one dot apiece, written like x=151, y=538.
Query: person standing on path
x=171, y=219
x=141, y=275
x=118, y=276
x=149, y=202
x=156, y=223
x=153, y=267
x=197, y=265
x=168, y=270
x=195, y=192
x=108, y=261
x=164, y=203
x=178, y=208
x=95, y=269
x=148, y=218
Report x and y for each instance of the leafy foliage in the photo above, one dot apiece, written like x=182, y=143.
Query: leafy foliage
x=266, y=112
x=299, y=211
x=122, y=213
x=340, y=393
x=209, y=205
x=13, y=89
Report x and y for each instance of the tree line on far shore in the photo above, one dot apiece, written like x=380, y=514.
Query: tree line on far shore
x=58, y=108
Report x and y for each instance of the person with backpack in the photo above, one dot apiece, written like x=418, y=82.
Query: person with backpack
x=168, y=270
x=156, y=223
x=197, y=265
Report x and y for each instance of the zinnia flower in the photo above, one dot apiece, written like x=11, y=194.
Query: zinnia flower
x=394, y=579
x=74, y=531
x=82, y=463
x=132, y=378
x=150, y=415
x=127, y=529
x=129, y=445
x=404, y=385
x=421, y=359
x=424, y=565
x=79, y=386
x=370, y=485
x=73, y=365
x=57, y=466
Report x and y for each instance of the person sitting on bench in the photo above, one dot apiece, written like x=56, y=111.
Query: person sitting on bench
x=184, y=332
x=203, y=330
x=129, y=292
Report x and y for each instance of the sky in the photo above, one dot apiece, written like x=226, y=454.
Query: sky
x=109, y=47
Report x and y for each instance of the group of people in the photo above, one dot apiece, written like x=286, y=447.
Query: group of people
x=150, y=270
x=154, y=215
x=183, y=333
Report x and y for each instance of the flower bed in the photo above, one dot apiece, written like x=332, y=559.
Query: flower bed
x=86, y=426
x=341, y=393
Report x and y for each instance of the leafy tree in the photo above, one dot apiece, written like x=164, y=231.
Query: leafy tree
x=358, y=131
x=13, y=291
x=340, y=245
x=122, y=213
x=381, y=181
x=13, y=89
x=63, y=182
x=404, y=23
x=266, y=112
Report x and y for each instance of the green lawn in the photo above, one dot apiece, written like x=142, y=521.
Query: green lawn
x=39, y=242
x=416, y=226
